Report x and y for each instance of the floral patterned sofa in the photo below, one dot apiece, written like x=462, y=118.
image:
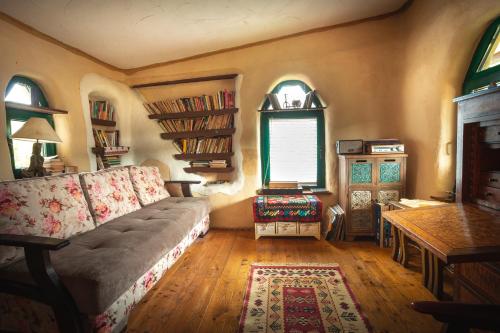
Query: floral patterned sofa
x=111, y=236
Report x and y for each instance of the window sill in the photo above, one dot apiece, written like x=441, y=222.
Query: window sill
x=278, y=191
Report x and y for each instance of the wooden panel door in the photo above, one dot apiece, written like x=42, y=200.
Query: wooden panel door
x=360, y=220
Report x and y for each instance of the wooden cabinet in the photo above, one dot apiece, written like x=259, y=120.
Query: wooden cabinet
x=365, y=179
x=478, y=182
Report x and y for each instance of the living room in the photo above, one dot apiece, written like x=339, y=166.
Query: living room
x=159, y=159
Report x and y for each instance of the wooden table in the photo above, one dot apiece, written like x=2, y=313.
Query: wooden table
x=447, y=234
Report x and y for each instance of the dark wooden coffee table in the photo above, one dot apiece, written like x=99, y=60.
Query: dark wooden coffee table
x=447, y=234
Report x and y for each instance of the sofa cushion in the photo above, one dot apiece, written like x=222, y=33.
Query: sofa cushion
x=148, y=184
x=47, y=206
x=110, y=194
x=99, y=266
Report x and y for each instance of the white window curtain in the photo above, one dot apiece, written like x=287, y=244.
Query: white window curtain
x=293, y=149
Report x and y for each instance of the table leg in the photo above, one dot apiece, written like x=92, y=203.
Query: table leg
x=395, y=243
x=432, y=273
x=403, y=249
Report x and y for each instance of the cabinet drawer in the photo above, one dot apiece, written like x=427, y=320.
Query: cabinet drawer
x=286, y=228
x=490, y=194
x=491, y=134
x=309, y=228
x=265, y=228
x=361, y=222
x=390, y=170
x=361, y=171
x=490, y=179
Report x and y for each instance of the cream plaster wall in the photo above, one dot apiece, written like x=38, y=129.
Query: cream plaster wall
x=393, y=77
x=59, y=73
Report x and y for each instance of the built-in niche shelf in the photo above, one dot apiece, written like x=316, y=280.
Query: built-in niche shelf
x=294, y=109
x=200, y=127
x=106, y=135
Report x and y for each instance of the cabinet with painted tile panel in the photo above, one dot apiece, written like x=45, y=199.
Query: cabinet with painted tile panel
x=365, y=179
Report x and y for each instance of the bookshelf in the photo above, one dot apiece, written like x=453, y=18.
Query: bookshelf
x=200, y=127
x=107, y=148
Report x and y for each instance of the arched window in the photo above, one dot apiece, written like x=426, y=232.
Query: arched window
x=293, y=138
x=485, y=65
x=22, y=90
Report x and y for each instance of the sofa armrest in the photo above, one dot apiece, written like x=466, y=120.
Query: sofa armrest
x=184, y=184
x=45, y=243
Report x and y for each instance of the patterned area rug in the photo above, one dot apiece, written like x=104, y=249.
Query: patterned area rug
x=312, y=298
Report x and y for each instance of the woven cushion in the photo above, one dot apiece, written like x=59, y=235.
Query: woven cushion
x=148, y=184
x=110, y=194
x=49, y=206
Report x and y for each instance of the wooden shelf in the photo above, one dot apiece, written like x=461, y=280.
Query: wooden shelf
x=25, y=107
x=204, y=157
x=198, y=134
x=189, y=80
x=102, y=122
x=105, y=152
x=208, y=170
x=294, y=110
x=194, y=114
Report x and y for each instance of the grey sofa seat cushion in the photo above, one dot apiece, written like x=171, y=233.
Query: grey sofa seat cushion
x=100, y=265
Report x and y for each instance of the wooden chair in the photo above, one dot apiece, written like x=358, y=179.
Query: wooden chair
x=461, y=317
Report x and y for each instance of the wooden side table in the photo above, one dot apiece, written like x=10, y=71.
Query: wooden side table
x=287, y=215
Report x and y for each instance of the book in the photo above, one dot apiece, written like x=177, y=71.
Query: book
x=102, y=110
x=224, y=99
x=336, y=218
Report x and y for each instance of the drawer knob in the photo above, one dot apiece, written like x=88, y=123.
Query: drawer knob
x=361, y=161
x=390, y=160
x=493, y=180
x=487, y=194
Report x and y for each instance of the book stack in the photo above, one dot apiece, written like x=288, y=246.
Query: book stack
x=197, y=124
x=106, y=138
x=219, y=164
x=222, y=100
x=113, y=160
x=200, y=164
x=336, y=217
x=101, y=110
x=53, y=164
x=203, y=146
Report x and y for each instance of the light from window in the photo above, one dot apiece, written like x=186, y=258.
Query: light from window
x=20, y=93
x=492, y=58
x=293, y=149
x=289, y=93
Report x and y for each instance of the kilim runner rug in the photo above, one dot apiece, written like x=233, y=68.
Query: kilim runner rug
x=296, y=298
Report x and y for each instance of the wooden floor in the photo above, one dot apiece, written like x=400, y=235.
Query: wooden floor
x=203, y=291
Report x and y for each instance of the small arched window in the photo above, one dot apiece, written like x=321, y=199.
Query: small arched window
x=485, y=65
x=293, y=139
x=22, y=90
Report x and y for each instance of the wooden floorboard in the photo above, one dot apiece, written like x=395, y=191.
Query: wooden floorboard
x=204, y=289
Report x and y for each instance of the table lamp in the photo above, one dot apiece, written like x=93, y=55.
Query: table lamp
x=38, y=130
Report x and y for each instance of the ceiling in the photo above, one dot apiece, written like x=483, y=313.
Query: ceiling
x=135, y=33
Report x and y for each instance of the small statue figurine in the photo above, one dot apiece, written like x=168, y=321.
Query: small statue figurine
x=286, y=105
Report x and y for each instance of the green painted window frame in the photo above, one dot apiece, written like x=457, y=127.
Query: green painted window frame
x=476, y=78
x=39, y=100
x=264, y=133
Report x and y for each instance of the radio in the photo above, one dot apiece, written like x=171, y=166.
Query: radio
x=349, y=147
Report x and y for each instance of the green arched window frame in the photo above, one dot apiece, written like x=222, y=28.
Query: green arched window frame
x=264, y=132
x=38, y=99
x=477, y=78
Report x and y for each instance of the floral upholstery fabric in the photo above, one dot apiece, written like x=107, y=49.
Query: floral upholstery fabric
x=110, y=194
x=148, y=184
x=51, y=206
x=37, y=317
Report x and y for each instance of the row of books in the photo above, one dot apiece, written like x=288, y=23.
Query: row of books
x=101, y=110
x=217, y=164
x=222, y=100
x=106, y=138
x=336, y=218
x=197, y=124
x=205, y=145
x=108, y=161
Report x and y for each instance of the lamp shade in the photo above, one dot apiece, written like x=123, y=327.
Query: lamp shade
x=37, y=129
